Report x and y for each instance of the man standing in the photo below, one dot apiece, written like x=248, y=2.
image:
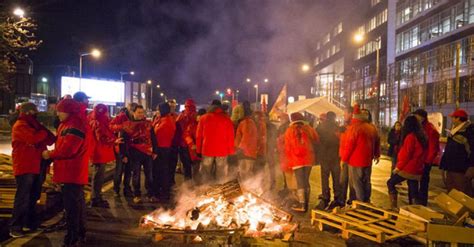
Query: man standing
x=361, y=147
x=140, y=133
x=246, y=143
x=29, y=140
x=431, y=154
x=458, y=157
x=328, y=132
x=215, y=141
x=71, y=158
x=122, y=162
x=184, y=120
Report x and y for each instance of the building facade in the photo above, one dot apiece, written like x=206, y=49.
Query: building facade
x=431, y=56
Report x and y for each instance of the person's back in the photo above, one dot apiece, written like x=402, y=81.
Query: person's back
x=361, y=144
x=215, y=134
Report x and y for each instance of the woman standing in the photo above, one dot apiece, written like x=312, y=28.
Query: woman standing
x=410, y=161
x=103, y=139
x=300, y=142
x=394, y=141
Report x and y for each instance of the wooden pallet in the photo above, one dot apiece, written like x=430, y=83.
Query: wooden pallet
x=366, y=221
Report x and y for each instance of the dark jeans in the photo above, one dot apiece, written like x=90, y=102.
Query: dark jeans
x=137, y=160
x=28, y=191
x=161, y=178
x=332, y=169
x=122, y=169
x=345, y=185
x=186, y=161
x=98, y=181
x=359, y=178
x=302, y=177
x=412, y=187
x=75, y=206
x=173, y=163
x=394, y=163
x=424, y=185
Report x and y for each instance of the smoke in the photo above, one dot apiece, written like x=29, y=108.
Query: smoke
x=196, y=47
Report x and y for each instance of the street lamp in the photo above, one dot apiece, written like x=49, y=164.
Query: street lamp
x=149, y=82
x=125, y=73
x=305, y=68
x=44, y=79
x=256, y=96
x=358, y=38
x=94, y=53
x=19, y=12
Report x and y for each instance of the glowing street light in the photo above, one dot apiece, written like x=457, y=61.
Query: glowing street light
x=256, y=95
x=125, y=73
x=248, y=80
x=158, y=86
x=266, y=80
x=305, y=67
x=19, y=12
x=44, y=79
x=149, y=82
x=358, y=37
x=161, y=94
x=94, y=53
x=217, y=92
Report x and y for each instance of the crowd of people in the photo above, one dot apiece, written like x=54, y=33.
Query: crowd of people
x=214, y=146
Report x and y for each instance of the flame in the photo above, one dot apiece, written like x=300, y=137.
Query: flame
x=244, y=210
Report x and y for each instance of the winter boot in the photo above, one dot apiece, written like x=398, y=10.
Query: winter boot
x=300, y=206
x=393, y=201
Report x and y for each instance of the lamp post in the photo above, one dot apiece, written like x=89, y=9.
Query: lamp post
x=248, y=88
x=125, y=73
x=94, y=53
x=19, y=12
x=358, y=38
x=149, y=82
x=256, y=96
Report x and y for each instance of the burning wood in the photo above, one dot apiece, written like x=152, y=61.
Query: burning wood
x=224, y=209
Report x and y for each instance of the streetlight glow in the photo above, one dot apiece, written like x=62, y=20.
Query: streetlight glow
x=305, y=67
x=158, y=86
x=217, y=92
x=255, y=86
x=132, y=72
x=19, y=12
x=161, y=94
x=149, y=81
x=266, y=80
x=96, y=53
x=359, y=37
x=248, y=80
x=44, y=79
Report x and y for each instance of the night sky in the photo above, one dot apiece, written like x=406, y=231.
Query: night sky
x=192, y=48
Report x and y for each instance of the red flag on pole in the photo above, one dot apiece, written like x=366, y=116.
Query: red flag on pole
x=405, y=108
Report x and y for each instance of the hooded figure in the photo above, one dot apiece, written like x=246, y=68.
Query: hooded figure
x=184, y=120
x=102, y=141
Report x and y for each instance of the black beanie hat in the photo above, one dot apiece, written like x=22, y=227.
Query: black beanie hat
x=164, y=109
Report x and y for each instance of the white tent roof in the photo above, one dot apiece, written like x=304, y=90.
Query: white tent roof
x=314, y=106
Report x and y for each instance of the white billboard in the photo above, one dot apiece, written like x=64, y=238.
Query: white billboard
x=99, y=90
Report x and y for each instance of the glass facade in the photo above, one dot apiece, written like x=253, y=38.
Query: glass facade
x=409, y=9
x=368, y=48
x=440, y=24
x=374, y=22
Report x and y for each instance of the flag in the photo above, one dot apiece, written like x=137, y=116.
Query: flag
x=264, y=104
x=280, y=104
x=405, y=108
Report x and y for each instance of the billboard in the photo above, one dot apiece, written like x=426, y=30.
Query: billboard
x=110, y=92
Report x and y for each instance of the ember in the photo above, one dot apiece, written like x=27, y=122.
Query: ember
x=225, y=207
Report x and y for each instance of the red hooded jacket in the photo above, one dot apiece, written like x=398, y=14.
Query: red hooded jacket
x=189, y=136
x=165, y=128
x=29, y=139
x=410, y=159
x=140, y=132
x=361, y=144
x=215, y=134
x=70, y=153
x=300, y=140
x=246, y=137
x=433, y=143
x=102, y=136
x=185, y=118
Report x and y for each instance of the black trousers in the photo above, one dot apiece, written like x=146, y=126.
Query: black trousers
x=412, y=187
x=173, y=162
x=186, y=161
x=331, y=168
x=75, y=207
x=161, y=174
x=28, y=191
x=424, y=185
x=139, y=159
x=98, y=181
x=122, y=169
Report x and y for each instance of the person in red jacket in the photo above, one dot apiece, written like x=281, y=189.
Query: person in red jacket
x=140, y=138
x=261, y=123
x=103, y=140
x=410, y=161
x=184, y=120
x=214, y=141
x=164, y=129
x=71, y=160
x=189, y=136
x=29, y=140
x=431, y=154
x=300, y=143
x=361, y=146
x=246, y=143
x=122, y=164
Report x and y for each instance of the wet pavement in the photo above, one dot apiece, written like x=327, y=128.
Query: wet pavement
x=118, y=226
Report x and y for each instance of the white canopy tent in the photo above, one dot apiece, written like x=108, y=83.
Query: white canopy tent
x=314, y=106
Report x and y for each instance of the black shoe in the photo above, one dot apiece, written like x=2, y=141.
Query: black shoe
x=322, y=205
x=17, y=233
x=100, y=203
x=334, y=204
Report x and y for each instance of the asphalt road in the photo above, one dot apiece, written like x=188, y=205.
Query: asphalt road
x=118, y=226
